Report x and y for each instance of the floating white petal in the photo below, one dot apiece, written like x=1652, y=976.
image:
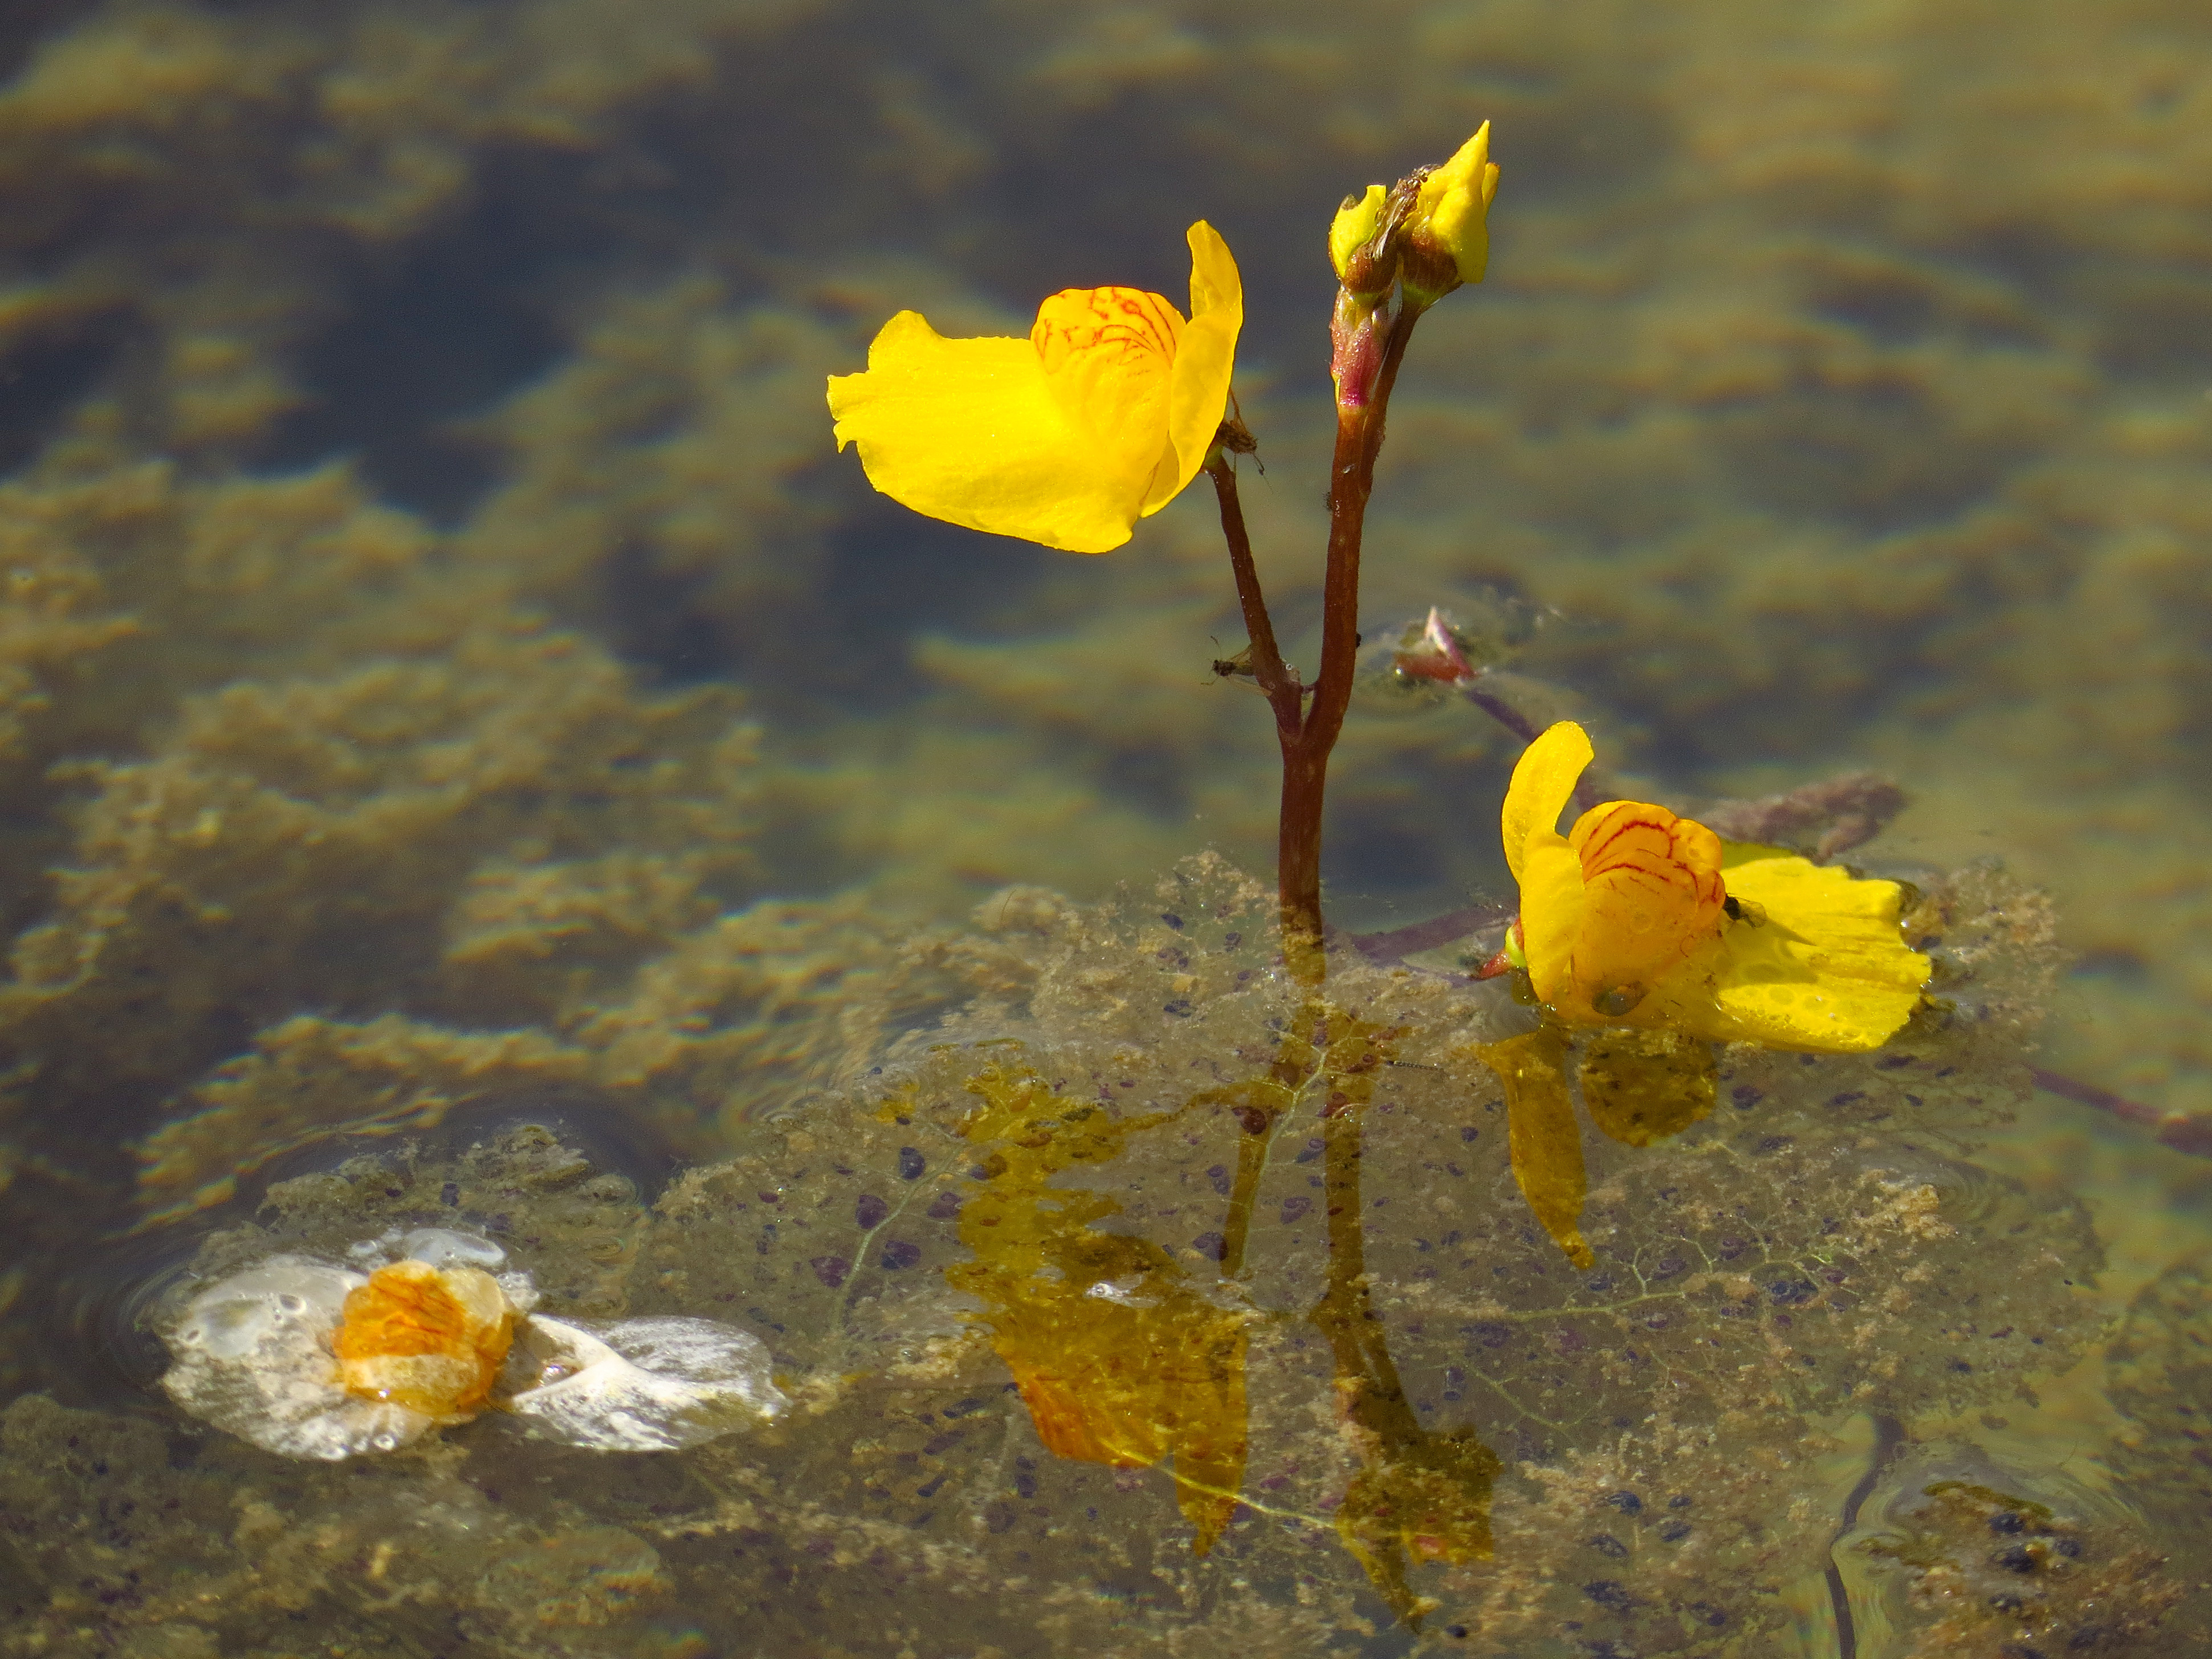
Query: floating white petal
x=642, y=1384
x=254, y=1357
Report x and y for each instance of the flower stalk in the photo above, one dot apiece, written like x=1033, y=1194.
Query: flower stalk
x=1117, y=400
x=1396, y=253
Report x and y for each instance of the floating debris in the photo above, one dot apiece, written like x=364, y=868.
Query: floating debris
x=642, y=1384
x=307, y=1358
x=257, y=1357
x=428, y=1340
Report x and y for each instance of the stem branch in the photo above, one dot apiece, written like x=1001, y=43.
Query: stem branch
x=1282, y=690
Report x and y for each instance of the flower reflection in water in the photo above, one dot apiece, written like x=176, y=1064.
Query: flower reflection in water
x=1127, y=1357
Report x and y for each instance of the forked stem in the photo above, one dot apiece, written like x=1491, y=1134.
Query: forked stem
x=1308, y=720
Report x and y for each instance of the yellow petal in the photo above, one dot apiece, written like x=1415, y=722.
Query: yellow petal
x=1356, y=223
x=1453, y=206
x=1470, y=164
x=1642, y=1087
x=1823, y=969
x=1545, y=1144
x=1652, y=897
x=1552, y=899
x=1199, y=388
x=1543, y=783
x=429, y=1339
x=1109, y=355
x=969, y=431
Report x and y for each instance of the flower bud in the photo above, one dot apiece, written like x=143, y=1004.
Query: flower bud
x=1355, y=224
x=1449, y=219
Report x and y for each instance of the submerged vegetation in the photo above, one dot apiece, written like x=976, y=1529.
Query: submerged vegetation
x=561, y=1028
x=998, y=1283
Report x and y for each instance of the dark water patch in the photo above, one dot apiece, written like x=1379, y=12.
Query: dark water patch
x=1889, y=307
x=94, y=1339
x=1376, y=855
x=653, y=618
x=1876, y=456
x=2158, y=327
x=42, y=376
x=2111, y=963
x=1149, y=780
x=25, y=25
x=892, y=576
x=443, y=330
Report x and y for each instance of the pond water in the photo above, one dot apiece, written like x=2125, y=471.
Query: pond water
x=474, y=757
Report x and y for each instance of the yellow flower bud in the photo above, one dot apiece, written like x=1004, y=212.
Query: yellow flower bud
x=1355, y=224
x=1451, y=213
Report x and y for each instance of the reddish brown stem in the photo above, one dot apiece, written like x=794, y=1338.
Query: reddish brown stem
x=1281, y=688
x=1308, y=720
x=1587, y=794
x=2185, y=1132
x=1305, y=764
x=1391, y=946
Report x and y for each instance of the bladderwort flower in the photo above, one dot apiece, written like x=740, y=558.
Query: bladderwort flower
x=1101, y=417
x=1659, y=940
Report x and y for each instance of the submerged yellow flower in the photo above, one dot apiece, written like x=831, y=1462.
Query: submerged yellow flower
x=1119, y=1357
x=1652, y=925
x=1067, y=438
x=1642, y=918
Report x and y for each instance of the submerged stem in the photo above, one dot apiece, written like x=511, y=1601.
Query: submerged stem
x=1418, y=1496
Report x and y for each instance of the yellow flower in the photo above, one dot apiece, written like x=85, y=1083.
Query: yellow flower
x=1642, y=918
x=1067, y=438
x=1452, y=212
x=1652, y=926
